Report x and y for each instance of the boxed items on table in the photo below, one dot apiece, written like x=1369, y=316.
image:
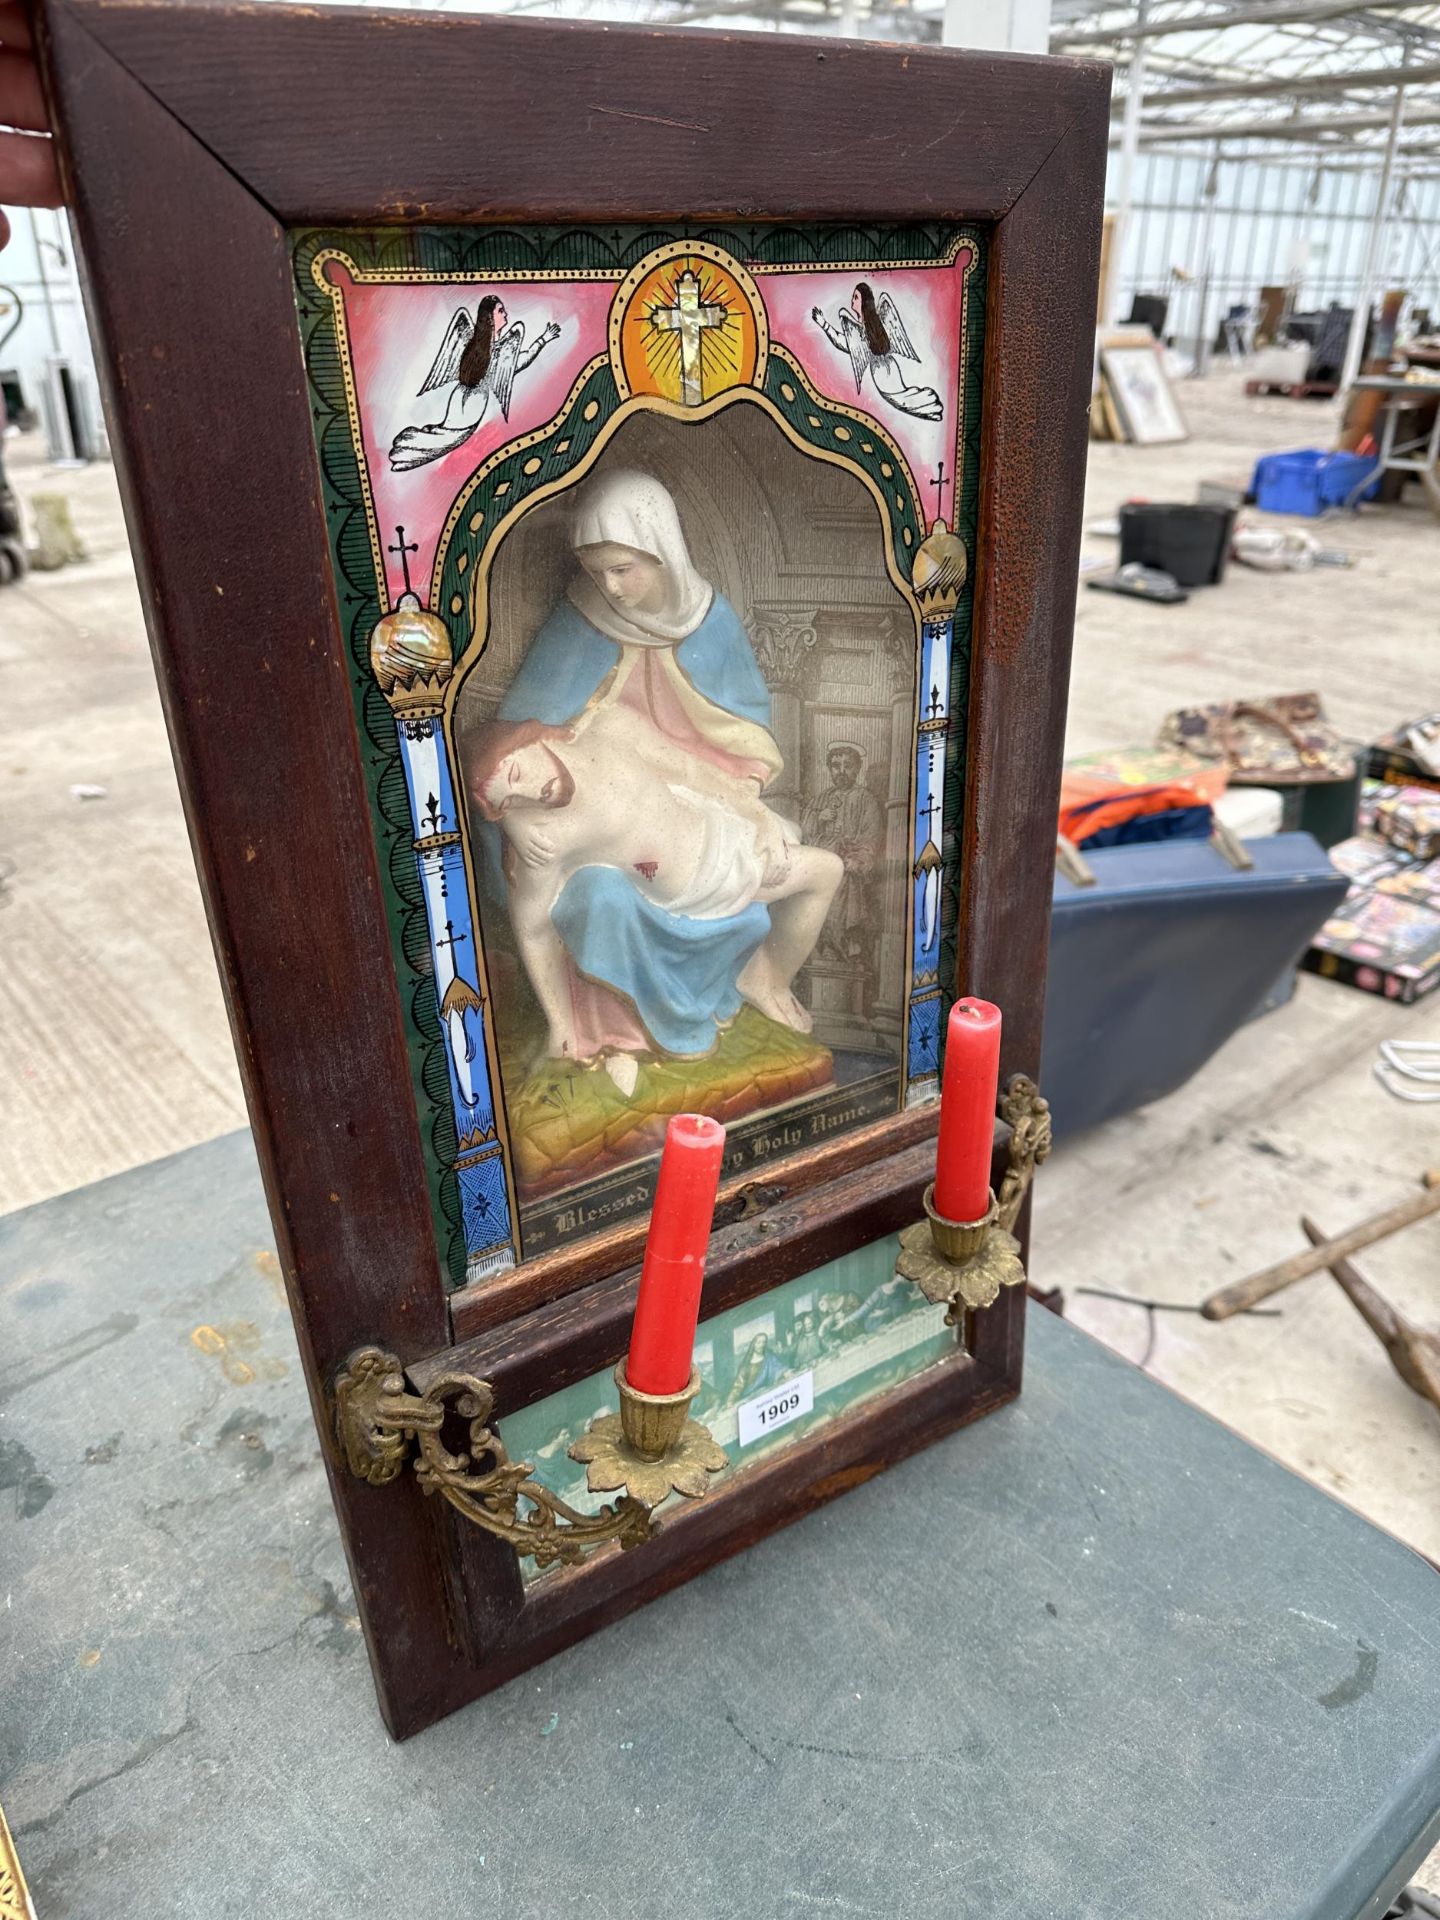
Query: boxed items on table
x=1385, y=935
x=1409, y=755
x=1420, y=883
x=1380, y=943
x=1408, y=818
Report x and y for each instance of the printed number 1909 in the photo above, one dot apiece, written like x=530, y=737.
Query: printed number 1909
x=766, y=1413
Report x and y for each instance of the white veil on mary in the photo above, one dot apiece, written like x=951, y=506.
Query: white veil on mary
x=625, y=508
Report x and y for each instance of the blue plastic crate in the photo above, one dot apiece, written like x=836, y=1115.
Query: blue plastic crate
x=1311, y=482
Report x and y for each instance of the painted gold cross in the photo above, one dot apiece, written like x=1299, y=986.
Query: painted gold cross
x=689, y=318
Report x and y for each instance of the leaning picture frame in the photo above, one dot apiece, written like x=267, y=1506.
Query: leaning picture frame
x=1139, y=388
x=512, y=846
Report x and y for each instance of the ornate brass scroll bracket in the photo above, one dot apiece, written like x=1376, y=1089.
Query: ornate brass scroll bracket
x=1027, y=1114
x=376, y=1419
x=965, y=1263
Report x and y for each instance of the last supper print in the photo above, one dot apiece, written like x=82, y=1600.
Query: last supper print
x=652, y=552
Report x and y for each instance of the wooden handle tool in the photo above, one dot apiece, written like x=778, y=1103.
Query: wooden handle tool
x=1414, y=1351
x=1259, y=1286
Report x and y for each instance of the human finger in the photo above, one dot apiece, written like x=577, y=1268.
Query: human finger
x=15, y=27
x=29, y=176
x=21, y=102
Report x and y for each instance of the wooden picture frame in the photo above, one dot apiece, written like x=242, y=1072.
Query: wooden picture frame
x=188, y=180
x=1137, y=387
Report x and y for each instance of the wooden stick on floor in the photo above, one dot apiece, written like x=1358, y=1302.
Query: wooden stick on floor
x=1259, y=1286
x=1414, y=1351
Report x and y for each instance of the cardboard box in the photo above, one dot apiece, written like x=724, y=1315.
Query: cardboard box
x=1420, y=883
x=1381, y=942
x=1408, y=818
x=1392, y=757
x=1364, y=859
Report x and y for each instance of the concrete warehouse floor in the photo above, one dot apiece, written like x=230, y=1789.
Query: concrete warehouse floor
x=114, y=1046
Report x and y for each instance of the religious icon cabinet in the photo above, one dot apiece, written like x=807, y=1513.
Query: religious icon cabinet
x=611, y=575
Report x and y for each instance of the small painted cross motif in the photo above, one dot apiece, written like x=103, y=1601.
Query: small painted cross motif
x=927, y=814
x=404, y=548
x=940, y=482
x=452, y=939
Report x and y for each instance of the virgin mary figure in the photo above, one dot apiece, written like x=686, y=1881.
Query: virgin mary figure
x=639, y=624
x=641, y=629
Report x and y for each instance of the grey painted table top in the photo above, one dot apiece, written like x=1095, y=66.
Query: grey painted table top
x=1092, y=1657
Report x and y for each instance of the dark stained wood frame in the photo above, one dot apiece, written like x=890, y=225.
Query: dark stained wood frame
x=190, y=137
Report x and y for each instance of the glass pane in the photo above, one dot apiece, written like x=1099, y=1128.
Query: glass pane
x=653, y=549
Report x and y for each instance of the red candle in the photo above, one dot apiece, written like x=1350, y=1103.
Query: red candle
x=662, y=1340
x=967, y=1110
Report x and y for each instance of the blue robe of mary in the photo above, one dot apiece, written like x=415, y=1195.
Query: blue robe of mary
x=679, y=973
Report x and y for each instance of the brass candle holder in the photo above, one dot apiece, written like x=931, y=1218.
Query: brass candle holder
x=963, y=1264
x=651, y=1447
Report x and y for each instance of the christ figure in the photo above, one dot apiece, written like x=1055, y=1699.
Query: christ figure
x=650, y=889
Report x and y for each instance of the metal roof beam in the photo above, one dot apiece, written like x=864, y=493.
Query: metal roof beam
x=1419, y=163
x=1293, y=12
x=1393, y=75
x=1299, y=128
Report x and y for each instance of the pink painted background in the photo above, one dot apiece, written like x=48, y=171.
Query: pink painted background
x=929, y=303
x=396, y=330
x=395, y=334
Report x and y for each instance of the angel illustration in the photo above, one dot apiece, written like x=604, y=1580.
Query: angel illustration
x=478, y=360
x=872, y=333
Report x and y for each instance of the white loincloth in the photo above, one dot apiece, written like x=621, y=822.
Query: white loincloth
x=729, y=872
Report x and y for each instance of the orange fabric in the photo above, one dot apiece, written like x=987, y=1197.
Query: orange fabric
x=1105, y=789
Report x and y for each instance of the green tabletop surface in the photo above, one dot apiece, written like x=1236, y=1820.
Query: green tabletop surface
x=1094, y=1656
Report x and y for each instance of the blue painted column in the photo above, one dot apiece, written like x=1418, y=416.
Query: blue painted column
x=411, y=656
x=937, y=578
